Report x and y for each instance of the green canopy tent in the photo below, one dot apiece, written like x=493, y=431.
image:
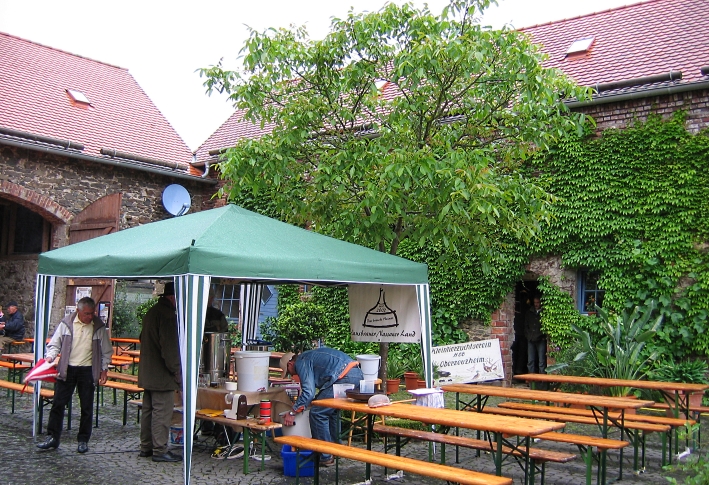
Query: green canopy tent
x=228, y=242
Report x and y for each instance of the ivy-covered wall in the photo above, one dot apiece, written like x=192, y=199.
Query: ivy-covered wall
x=634, y=205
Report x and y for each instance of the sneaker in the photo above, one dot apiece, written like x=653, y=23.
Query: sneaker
x=258, y=457
x=220, y=452
x=236, y=452
x=327, y=463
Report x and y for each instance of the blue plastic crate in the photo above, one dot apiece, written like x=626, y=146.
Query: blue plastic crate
x=289, y=462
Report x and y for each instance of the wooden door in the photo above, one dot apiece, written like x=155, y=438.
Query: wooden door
x=98, y=219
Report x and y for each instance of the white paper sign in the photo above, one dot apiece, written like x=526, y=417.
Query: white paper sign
x=384, y=313
x=469, y=362
x=82, y=292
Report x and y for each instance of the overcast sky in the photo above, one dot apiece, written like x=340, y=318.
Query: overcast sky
x=163, y=42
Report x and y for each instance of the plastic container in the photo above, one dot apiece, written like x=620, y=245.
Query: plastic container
x=176, y=435
x=252, y=370
x=289, y=462
x=369, y=363
x=339, y=389
x=301, y=426
x=366, y=386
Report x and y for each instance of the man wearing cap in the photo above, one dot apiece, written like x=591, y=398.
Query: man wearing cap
x=160, y=375
x=320, y=369
x=14, y=325
x=82, y=342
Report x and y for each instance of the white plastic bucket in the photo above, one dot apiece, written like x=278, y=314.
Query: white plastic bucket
x=301, y=426
x=369, y=363
x=176, y=435
x=339, y=390
x=252, y=370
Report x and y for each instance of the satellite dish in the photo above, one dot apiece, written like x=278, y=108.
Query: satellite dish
x=176, y=199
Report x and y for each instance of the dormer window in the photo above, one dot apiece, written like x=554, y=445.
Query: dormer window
x=580, y=46
x=78, y=96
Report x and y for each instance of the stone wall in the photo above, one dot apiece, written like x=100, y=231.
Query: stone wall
x=58, y=188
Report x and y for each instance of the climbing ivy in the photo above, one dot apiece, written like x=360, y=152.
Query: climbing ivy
x=461, y=289
x=634, y=205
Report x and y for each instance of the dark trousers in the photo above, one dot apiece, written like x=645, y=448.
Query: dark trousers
x=155, y=421
x=79, y=378
x=537, y=356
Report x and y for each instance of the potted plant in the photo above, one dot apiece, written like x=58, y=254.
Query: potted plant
x=395, y=370
x=689, y=371
x=413, y=375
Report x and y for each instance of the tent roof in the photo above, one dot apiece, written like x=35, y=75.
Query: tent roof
x=229, y=242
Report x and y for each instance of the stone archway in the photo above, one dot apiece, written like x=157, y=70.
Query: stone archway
x=54, y=213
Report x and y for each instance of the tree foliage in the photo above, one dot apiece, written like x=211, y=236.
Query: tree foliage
x=399, y=124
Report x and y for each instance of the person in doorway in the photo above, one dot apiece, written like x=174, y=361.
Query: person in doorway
x=320, y=369
x=536, y=340
x=83, y=345
x=160, y=375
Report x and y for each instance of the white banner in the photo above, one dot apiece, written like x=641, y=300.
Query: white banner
x=384, y=313
x=469, y=362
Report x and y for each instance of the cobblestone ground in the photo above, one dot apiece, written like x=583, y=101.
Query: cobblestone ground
x=113, y=458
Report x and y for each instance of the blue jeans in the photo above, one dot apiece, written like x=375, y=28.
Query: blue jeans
x=537, y=356
x=325, y=422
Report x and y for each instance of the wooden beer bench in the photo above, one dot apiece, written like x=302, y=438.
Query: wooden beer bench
x=47, y=396
x=635, y=426
x=248, y=425
x=130, y=391
x=433, y=470
x=537, y=456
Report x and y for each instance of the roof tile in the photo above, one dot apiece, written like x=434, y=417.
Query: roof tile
x=34, y=79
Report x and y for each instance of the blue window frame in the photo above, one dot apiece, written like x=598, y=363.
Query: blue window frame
x=590, y=294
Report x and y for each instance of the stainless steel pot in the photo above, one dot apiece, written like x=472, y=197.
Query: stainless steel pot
x=216, y=356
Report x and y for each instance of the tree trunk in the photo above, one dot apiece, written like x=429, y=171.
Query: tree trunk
x=384, y=354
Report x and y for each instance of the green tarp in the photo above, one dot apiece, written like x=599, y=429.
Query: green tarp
x=229, y=242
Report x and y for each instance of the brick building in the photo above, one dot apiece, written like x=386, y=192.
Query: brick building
x=649, y=57
x=83, y=152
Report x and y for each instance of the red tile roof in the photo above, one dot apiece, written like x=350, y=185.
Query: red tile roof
x=33, y=99
x=233, y=129
x=637, y=40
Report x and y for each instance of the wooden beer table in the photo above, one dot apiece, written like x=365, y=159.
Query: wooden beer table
x=499, y=426
x=599, y=404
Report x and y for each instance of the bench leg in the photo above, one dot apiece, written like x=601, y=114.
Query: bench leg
x=98, y=393
x=588, y=459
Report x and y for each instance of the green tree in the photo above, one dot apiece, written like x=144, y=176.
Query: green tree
x=399, y=124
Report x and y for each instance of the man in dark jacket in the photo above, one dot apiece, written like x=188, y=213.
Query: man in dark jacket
x=536, y=340
x=160, y=375
x=14, y=325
